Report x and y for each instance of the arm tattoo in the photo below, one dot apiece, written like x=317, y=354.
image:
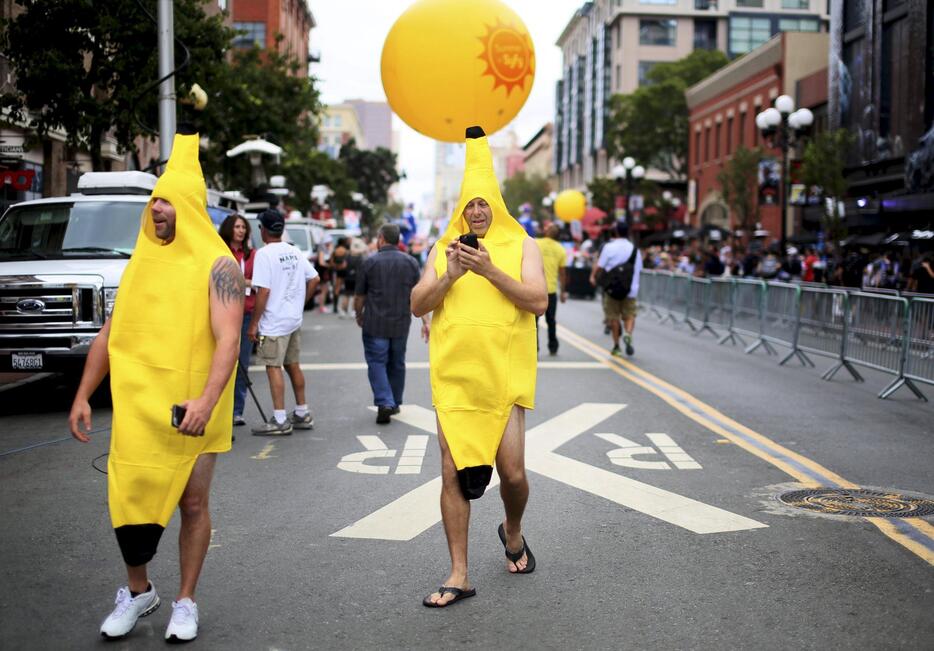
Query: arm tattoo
x=227, y=281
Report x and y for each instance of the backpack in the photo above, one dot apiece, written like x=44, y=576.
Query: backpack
x=618, y=281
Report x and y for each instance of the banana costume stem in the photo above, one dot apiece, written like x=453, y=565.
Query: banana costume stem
x=161, y=347
x=482, y=349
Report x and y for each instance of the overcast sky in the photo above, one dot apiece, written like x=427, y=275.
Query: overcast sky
x=350, y=35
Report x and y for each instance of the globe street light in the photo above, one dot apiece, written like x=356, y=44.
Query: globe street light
x=627, y=171
x=784, y=126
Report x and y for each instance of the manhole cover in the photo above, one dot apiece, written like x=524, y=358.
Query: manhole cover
x=846, y=501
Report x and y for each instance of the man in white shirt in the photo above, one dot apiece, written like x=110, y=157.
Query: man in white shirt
x=284, y=281
x=618, y=270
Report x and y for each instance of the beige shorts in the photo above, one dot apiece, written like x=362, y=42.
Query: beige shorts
x=276, y=351
x=614, y=309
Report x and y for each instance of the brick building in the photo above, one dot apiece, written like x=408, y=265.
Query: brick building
x=723, y=111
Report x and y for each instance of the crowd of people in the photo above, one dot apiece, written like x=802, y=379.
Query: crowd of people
x=848, y=268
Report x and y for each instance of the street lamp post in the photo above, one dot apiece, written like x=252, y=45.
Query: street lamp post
x=785, y=124
x=628, y=170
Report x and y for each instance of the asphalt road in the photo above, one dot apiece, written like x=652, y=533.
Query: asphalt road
x=653, y=512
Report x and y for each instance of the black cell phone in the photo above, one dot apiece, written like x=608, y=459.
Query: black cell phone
x=178, y=415
x=469, y=239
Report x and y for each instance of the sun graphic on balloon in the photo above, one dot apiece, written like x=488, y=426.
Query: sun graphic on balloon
x=508, y=55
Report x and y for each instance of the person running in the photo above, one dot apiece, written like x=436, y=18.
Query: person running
x=170, y=348
x=617, y=271
x=554, y=258
x=235, y=231
x=284, y=281
x=484, y=284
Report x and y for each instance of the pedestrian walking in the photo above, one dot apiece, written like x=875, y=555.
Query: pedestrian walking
x=484, y=283
x=383, y=287
x=235, y=231
x=554, y=259
x=284, y=281
x=617, y=272
x=170, y=349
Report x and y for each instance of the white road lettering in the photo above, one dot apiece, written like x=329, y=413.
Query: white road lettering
x=417, y=510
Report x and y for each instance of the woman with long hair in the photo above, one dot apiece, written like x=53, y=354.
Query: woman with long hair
x=235, y=231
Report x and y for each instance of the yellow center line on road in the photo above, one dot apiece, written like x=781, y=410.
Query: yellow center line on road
x=914, y=534
x=265, y=452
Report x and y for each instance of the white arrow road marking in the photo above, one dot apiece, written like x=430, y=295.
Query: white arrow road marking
x=375, y=449
x=665, y=445
x=419, y=509
x=626, y=450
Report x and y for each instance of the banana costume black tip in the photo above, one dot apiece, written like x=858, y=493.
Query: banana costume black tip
x=475, y=132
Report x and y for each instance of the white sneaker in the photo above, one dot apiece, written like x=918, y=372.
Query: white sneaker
x=129, y=609
x=183, y=627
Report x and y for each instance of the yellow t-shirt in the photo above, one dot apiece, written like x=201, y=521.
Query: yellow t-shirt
x=554, y=257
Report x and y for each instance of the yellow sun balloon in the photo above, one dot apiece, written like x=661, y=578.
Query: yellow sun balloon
x=570, y=205
x=451, y=64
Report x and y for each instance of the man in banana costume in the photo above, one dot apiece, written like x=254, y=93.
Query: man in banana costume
x=483, y=360
x=173, y=340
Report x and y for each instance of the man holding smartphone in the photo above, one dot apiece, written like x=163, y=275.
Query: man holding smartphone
x=485, y=284
x=170, y=347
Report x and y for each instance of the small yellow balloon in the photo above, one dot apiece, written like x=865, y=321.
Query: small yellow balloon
x=452, y=64
x=570, y=205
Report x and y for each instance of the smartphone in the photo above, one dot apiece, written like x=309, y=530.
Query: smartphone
x=469, y=239
x=178, y=415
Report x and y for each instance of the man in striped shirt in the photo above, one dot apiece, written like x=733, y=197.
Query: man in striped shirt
x=381, y=302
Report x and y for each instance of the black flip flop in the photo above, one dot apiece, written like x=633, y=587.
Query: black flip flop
x=515, y=556
x=457, y=592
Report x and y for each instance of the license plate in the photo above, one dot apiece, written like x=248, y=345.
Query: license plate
x=27, y=361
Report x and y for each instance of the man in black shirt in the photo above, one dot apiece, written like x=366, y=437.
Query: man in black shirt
x=381, y=301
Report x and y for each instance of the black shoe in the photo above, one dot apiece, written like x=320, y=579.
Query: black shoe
x=553, y=352
x=382, y=415
x=395, y=410
x=629, y=349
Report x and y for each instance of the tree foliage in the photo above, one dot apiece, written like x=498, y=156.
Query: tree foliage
x=531, y=189
x=651, y=123
x=739, y=185
x=373, y=172
x=603, y=193
x=822, y=168
x=88, y=68
x=259, y=94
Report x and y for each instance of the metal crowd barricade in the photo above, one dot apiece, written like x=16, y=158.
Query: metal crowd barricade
x=822, y=327
x=651, y=290
x=780, y=320
x=720, y=310
x=678, y=286
x=919, y=349
x=748, y=299
x=663, y=297
x=876, y=335
x=697, y=313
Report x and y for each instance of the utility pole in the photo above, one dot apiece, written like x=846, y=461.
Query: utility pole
x=167, y=87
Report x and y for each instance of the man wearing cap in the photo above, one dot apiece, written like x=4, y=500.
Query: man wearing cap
x=485, y=284
x=172, y=342
x=284, y=281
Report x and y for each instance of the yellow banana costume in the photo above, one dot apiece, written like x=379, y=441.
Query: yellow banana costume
x=482, y=347
x=161, y=345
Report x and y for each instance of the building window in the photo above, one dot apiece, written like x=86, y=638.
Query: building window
x=706, y=144
x=336, y=121
x=754, y=4
x=729, y=136
x=645, y=67
x=798, y=25
x=658, y=2
x=657, y=32
x=746, y=33
x=742, y=129
x=250, y=34
x=619, y=78
x=854, y=15
x=704, y=5
x=619, y=37
x=697, y=147
x=716, y=142
x=705, y=34
x=796, y=4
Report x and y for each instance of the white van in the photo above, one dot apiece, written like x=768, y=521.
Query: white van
x=61, y=260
